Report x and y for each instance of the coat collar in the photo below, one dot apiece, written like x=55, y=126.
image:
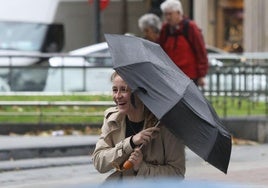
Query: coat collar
x=117, y=124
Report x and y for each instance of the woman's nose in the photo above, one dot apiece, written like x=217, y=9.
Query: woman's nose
x=118, y=94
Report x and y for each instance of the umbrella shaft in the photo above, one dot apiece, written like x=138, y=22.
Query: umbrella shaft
x=156, y=125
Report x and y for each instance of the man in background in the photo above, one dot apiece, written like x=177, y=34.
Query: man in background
x=183, y=41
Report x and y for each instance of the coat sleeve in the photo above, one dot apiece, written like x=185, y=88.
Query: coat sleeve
x=108, y=154
x=174, y=155
x=198, y=45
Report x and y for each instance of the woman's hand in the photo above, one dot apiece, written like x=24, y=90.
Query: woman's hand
x=136, y=158
x=145, y=136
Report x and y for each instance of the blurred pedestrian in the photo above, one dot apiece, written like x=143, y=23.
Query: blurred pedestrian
x=183, y=41
x=150, y=25
x=129, y=133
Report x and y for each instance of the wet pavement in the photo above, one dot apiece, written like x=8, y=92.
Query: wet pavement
x=248, y=165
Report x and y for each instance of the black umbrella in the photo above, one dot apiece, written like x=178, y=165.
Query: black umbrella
x=171, y=96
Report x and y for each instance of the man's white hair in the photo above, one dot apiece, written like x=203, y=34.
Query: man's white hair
x=171, y=5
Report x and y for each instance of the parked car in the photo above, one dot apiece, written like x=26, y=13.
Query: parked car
x=85, y=69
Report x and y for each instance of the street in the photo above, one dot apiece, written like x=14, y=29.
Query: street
x=52, y=177
x=248, y=167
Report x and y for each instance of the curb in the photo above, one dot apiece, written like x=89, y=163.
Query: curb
x=34, y=152
x=31, y=147
x=46, y=152
x=26, y=164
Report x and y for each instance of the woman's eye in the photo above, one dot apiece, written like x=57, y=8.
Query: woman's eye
x=124, y=90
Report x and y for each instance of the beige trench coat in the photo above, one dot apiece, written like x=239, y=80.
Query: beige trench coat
x=163, y=156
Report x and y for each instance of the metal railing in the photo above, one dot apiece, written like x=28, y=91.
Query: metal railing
x=234, y=82
x=239, y=82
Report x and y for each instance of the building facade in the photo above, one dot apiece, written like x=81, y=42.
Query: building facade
x=232, y=25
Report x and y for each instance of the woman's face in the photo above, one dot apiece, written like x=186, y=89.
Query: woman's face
x=121, y=95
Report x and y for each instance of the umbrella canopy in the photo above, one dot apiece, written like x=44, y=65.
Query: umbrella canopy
x=171, y=96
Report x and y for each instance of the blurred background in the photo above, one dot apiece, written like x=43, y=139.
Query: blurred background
x=55, y=70
x=57, y=47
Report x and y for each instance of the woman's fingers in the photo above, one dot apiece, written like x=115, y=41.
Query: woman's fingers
x=149, y=134
x=145, y=136
x=136, y=155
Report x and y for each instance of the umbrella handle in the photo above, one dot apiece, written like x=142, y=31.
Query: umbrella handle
x=128, y=164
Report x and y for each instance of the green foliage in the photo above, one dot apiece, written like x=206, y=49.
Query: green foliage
x=238, y=106
x=224, y=106
x=53, y=114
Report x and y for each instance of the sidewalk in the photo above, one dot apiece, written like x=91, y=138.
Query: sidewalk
x=29, y=152
x=25, y=147
x=248, y=164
